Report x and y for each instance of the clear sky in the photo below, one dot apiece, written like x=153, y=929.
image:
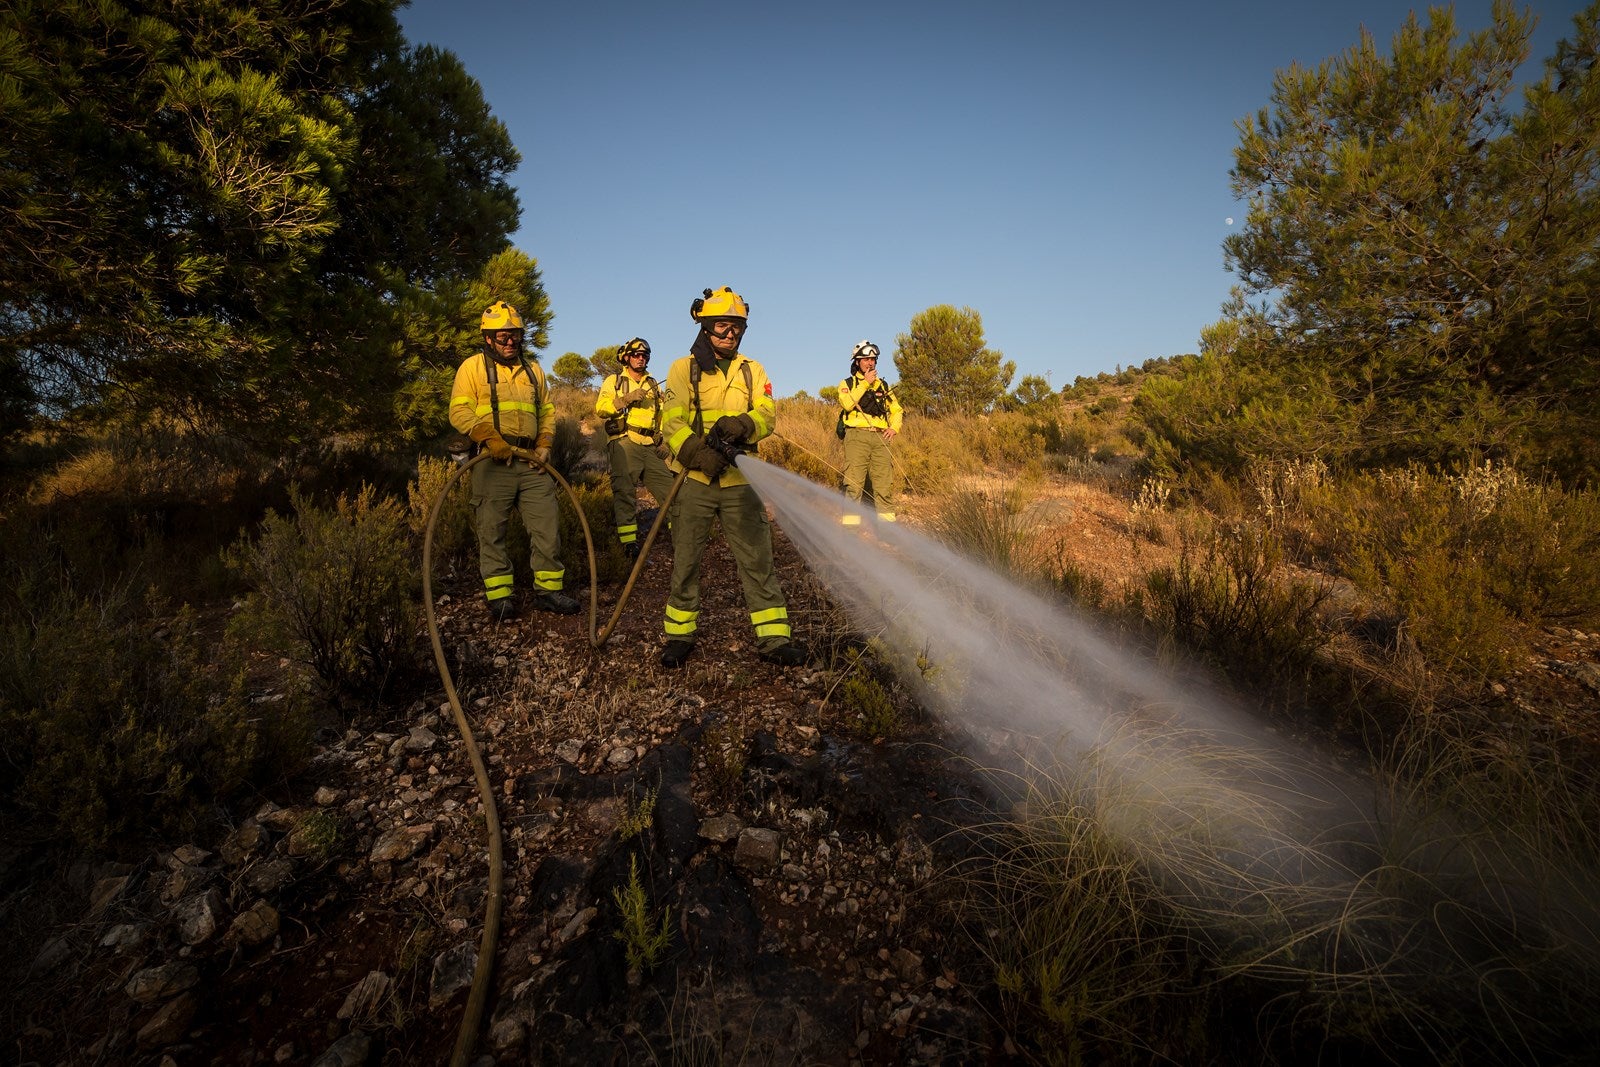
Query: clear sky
x=1059, y=167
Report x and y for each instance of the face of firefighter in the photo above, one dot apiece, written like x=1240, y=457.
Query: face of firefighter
x=503, y=343
x=725, y=335
x=637, y=362
x=867, y=367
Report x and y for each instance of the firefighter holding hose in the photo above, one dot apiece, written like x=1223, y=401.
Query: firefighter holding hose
x=718, y=404
x=500, y=400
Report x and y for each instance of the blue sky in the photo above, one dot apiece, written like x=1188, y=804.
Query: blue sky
x=1061, y=168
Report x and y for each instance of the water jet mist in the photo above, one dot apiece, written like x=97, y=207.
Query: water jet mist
x=1262, y=841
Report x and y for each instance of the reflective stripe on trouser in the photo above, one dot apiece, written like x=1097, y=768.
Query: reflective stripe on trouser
x=498, y=488
x=866, y=458
x=749, y=536
x=630, y=462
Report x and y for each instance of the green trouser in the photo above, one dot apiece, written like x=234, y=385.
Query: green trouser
x=632, y=462
x=866, y=456
x=749, y=535
x=496, y=489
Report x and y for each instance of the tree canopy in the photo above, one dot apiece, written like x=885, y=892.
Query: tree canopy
x=603, y=361
x=243, y=216
x=944, y=365
x=572, y=370
x=1034, y=390
x=1422, y=253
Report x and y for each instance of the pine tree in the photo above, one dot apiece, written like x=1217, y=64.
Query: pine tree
x=945, y=367
x=1424, y=250
x=230, y=214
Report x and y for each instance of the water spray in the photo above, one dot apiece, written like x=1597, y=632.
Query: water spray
x=1244, y=827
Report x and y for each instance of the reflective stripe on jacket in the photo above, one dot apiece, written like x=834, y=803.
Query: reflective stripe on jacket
x=520, y=393
x=853, y=388
x=644, y=418
x=721, y=393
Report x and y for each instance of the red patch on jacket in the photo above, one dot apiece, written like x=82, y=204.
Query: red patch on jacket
x=768, y=389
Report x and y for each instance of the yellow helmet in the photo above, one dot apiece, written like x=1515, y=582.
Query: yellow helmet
x=636, y=347
x=501, y=316
x=722, y=304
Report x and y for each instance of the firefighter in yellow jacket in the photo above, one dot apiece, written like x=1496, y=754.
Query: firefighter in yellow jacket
x=500, y=400
x=719, y=401
x=872, y=417
x=630, y=404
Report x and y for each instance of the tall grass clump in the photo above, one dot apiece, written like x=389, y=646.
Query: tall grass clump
x=1088, y=962
x=335, y=587
x=1166, y=897
x=989, y=525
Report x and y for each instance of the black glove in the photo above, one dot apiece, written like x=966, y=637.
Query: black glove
x=735, y=428
x=695, y=454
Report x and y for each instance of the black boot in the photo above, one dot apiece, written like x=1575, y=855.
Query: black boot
x=631, y=550
x=503, y=610
x=789, y=655
x=676, y=652
x=560, y=603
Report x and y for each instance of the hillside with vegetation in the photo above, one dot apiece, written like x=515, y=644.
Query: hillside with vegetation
x=240, y=823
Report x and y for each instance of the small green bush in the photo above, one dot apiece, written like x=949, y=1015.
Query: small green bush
x=642, y=937
x=338, y=587
x=1462, y=555
x=876, y=718
x=725, y=750
x=610, y=563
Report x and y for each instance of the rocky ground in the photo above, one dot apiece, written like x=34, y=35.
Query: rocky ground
x=788, y=865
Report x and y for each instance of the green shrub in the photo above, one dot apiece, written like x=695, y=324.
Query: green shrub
x=595, y=500
x=453, y=535
x=337, y=587
x=569, y=449
x=121, y=718
x=725, y=753
x=874, y=714
x=1462, y=555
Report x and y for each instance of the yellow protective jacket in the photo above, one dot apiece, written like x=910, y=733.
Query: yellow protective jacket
x=721, y=392
x=527, y=417
x=853, y=388
x=644, y=418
